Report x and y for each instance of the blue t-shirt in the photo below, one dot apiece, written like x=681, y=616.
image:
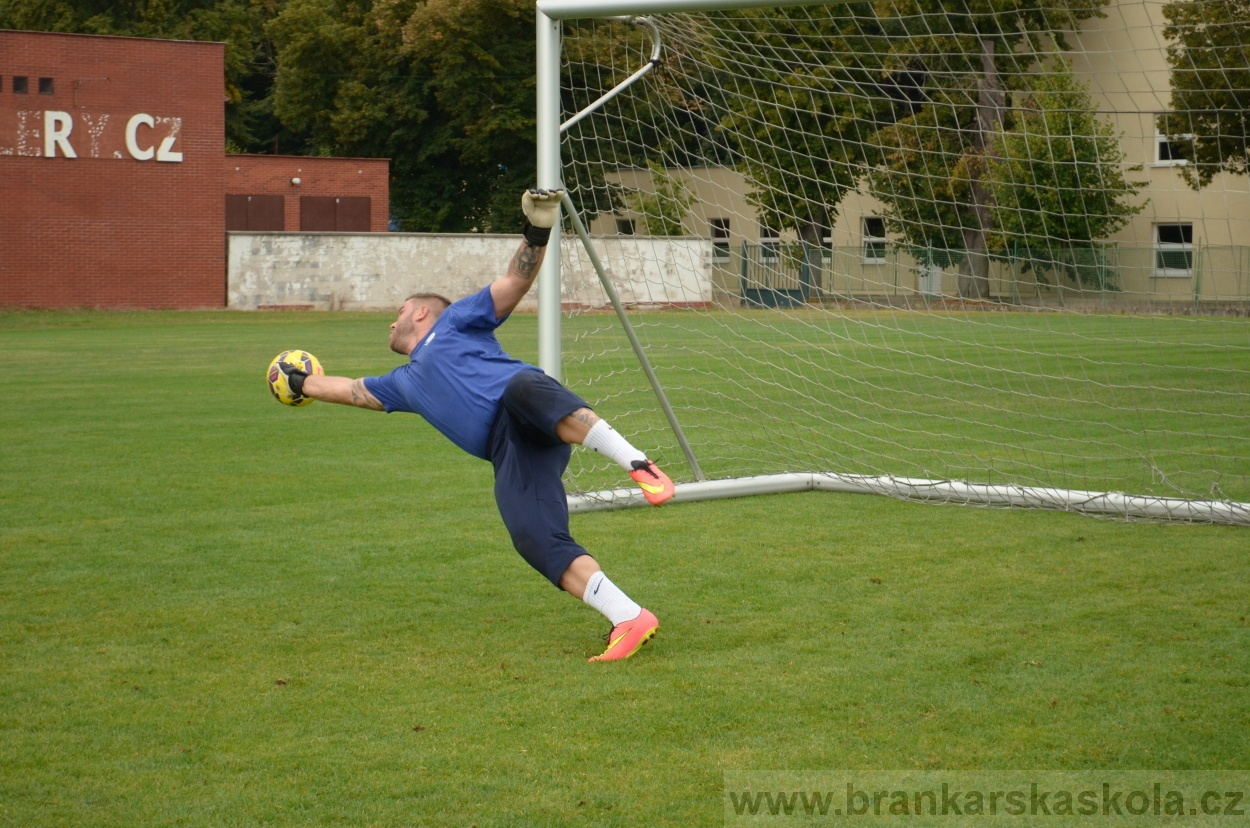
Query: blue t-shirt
x=456, y=376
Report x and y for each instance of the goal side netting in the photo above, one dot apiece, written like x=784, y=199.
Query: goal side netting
x=924, y=249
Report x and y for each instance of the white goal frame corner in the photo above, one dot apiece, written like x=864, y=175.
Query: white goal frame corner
x=550, y=14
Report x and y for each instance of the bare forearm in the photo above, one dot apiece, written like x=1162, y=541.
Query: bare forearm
x=341, y=390
x=525, y=262
x=510, y=288
x=542, y=211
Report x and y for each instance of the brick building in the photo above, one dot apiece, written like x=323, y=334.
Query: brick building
x=296, y=192
x=114, y=177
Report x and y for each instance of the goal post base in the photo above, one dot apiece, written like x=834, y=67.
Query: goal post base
x=1114, y=504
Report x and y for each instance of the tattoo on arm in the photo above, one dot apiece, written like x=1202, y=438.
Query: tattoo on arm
x=525, y=262
x=362, y=398
x=585, y=416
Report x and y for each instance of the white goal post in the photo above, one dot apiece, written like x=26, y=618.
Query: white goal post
x=549, y=116
x=1179, y=444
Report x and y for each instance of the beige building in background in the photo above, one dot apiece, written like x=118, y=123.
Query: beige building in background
x=1186, y=246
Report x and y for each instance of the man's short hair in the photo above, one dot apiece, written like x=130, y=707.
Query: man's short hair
x=435, y=302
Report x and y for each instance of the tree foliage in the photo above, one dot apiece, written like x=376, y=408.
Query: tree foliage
x=665, y=204
x=801, y=118
x=664, y=120
x=1209, y=55
x=1057, y=179
x=972, y=54
x=1053, y=172
x=909, y=95
x=444, y=88
x=919, y=179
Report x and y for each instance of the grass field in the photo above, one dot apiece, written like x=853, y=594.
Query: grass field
x=218, y=611
x=1149, y=405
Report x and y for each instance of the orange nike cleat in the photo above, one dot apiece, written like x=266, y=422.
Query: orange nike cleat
x=654, y=483
x=628, y=637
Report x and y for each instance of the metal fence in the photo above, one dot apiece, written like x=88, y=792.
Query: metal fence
x=1209, y=278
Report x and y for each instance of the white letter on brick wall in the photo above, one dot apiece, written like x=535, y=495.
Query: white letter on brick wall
x=56, y=129
x=164, y=154
x=132, y=145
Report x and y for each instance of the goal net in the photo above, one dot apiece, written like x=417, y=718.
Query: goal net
x=932, y=250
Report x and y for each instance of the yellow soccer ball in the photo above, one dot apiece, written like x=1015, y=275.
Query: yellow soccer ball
x=277, y=380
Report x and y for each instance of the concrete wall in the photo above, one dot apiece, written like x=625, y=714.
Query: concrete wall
x=342, y=271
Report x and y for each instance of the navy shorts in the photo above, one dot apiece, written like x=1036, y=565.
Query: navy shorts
x=529, y=462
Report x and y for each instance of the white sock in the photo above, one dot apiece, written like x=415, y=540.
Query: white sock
x=606, y=440
x=607, y=597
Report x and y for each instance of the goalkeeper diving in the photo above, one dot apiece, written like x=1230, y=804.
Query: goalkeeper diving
x=508, y=412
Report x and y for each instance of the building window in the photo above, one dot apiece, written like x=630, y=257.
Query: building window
x=719, y=229
x=1170, y=149
x=624, y=227
x=874, y=240
x=770, y=243
x=1174, y=250
x=45, y=86
x=20, y=86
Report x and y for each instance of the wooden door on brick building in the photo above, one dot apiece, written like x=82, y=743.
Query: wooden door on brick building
x=255, y=213
x=343, y=214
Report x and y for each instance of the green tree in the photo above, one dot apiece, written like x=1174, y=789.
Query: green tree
x=1052, y=178
x=971, y=55
x=665, y=205
x=661, y=119
x=480, y=58
x=921, y=181
x=445, y=88
x=1057, y=181
x=1209, y=55
x=344, y=86
x=803, y=107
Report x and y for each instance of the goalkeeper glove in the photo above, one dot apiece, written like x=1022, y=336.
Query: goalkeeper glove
x=541, y=208
x=294, y=377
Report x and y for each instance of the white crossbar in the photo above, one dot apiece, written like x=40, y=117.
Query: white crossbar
x=575, y=9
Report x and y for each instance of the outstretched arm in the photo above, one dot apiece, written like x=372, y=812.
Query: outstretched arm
x=341, y=390
x=510, y=288
x=542, y=208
